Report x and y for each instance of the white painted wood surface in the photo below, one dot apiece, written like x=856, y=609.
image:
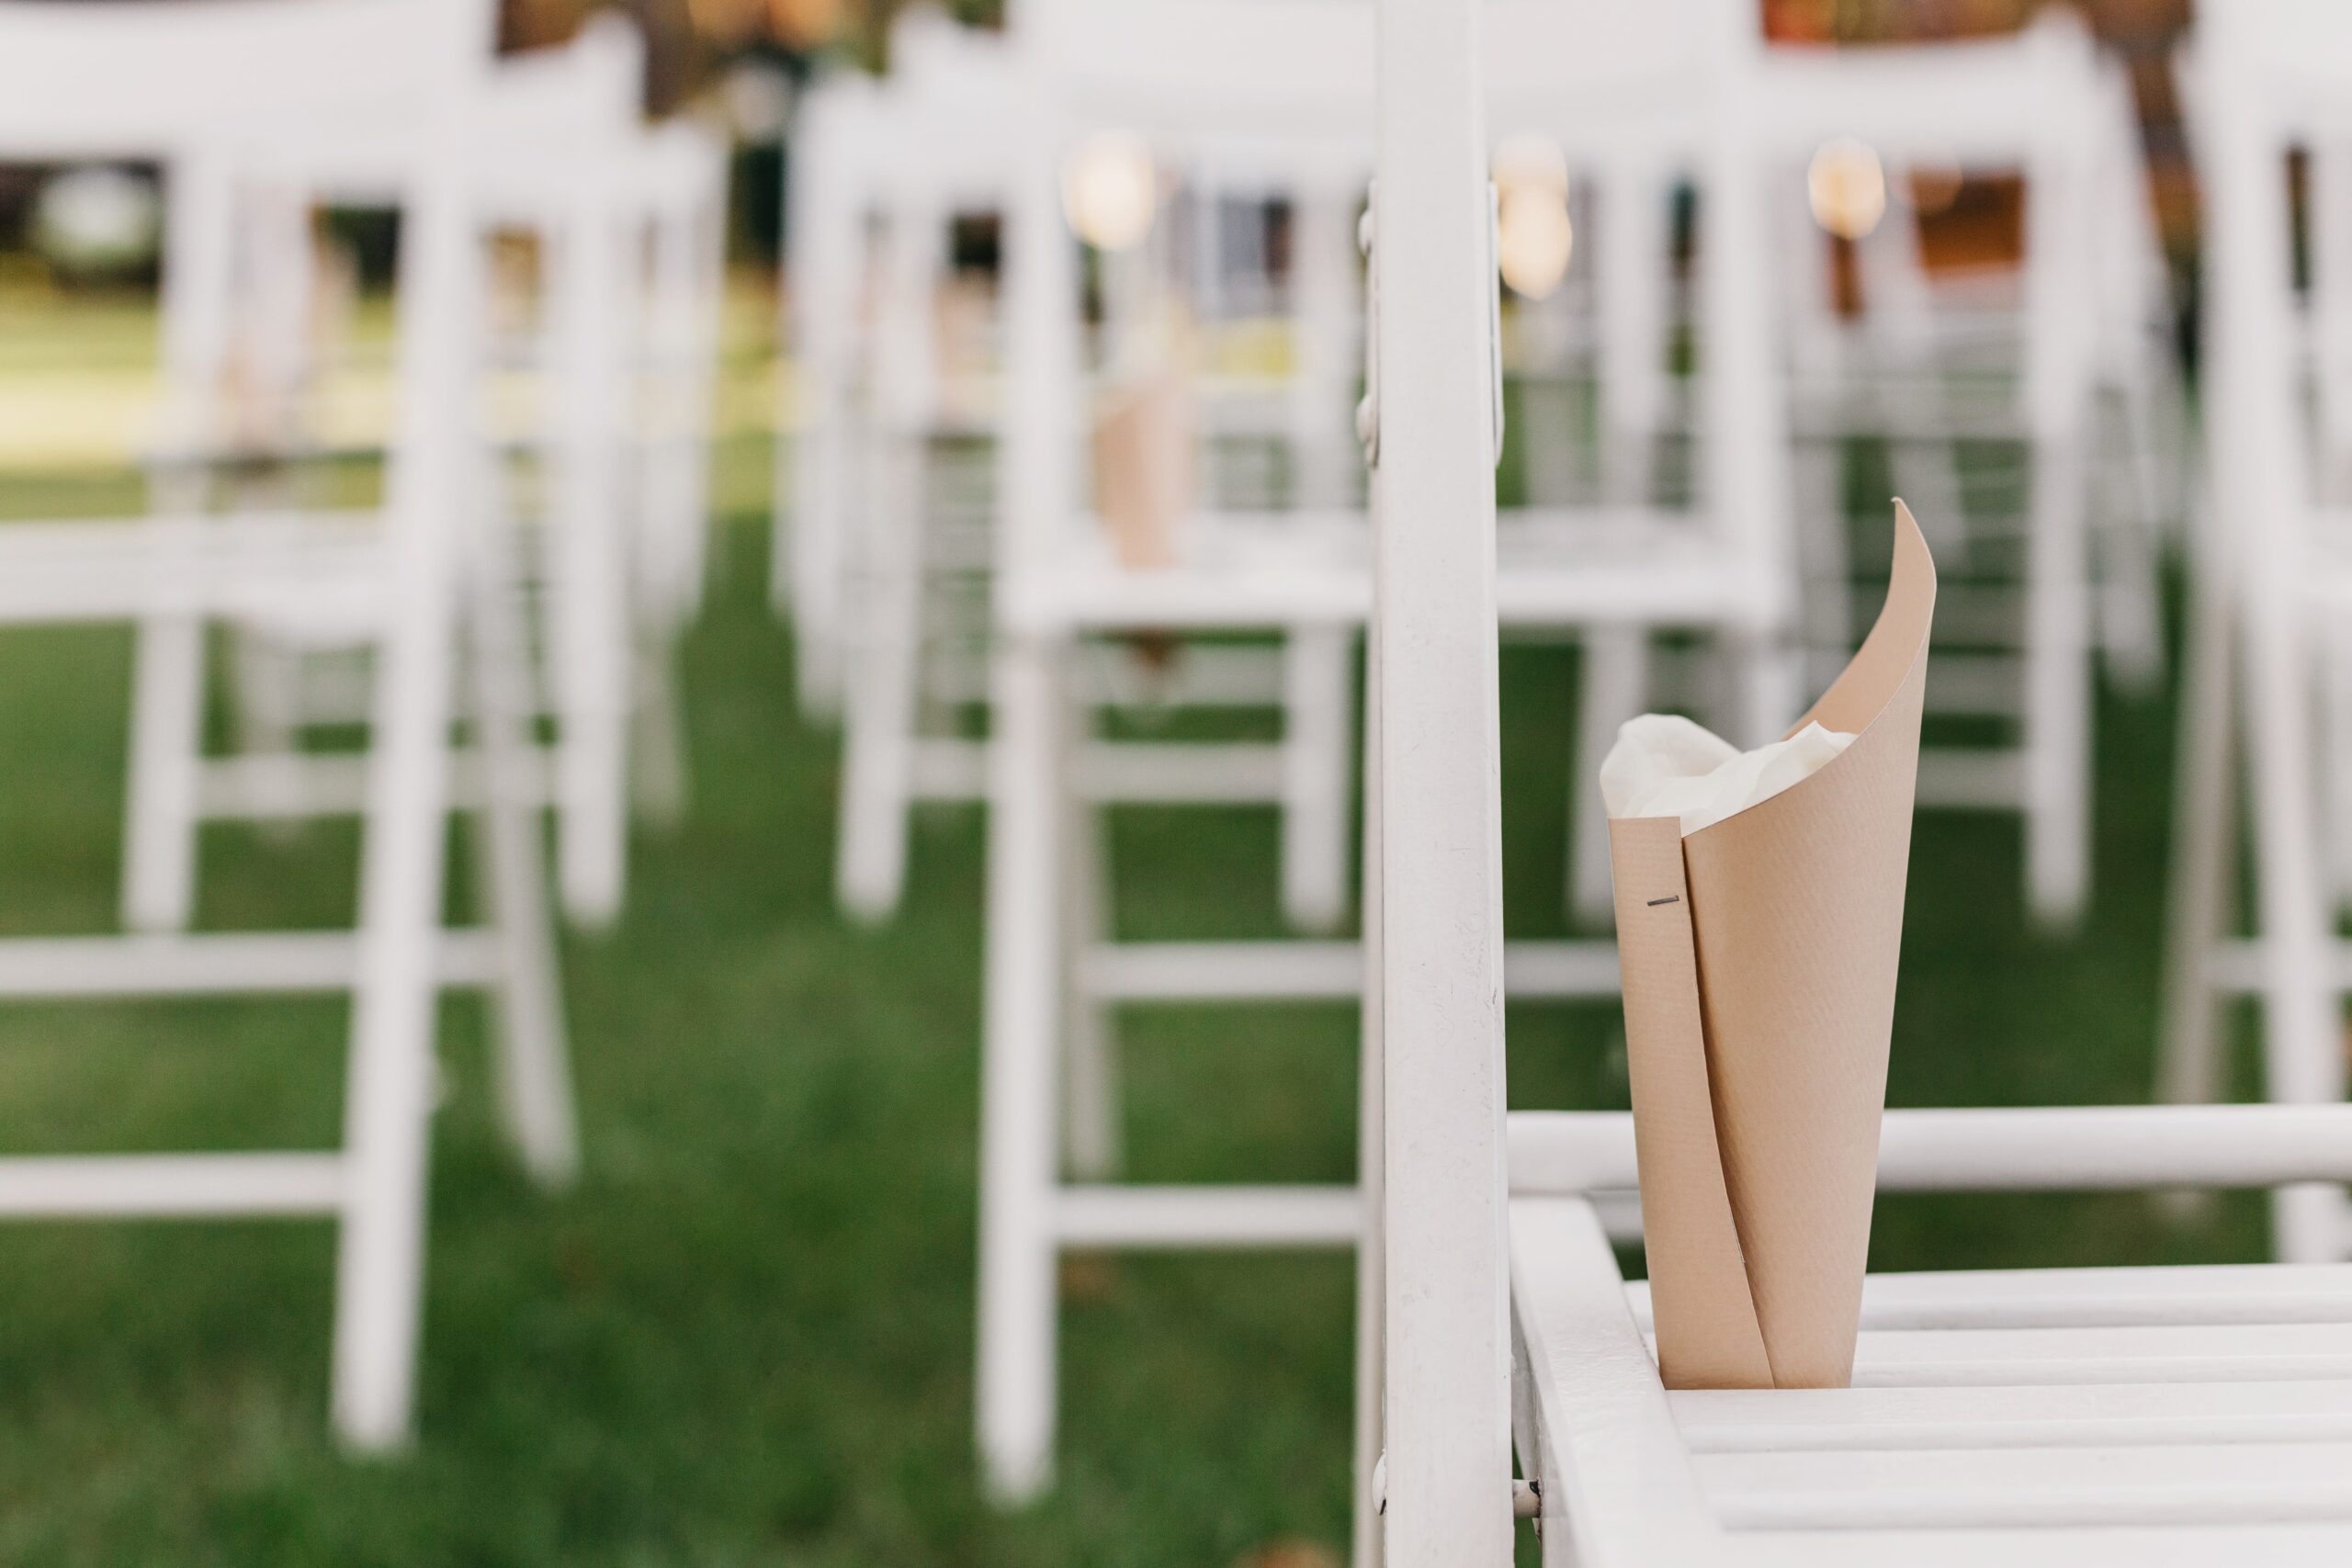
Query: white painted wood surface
x=2169, y=1415
x=1444, y=1378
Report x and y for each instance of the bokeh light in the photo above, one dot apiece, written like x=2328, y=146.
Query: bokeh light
x=1536, y=240
x=1847, y=185
x=1111, y=191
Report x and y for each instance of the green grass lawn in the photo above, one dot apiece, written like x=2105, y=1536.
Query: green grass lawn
x=746, y=1338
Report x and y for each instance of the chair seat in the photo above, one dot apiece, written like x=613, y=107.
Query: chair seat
x=2148, y=1416
x=1270, y=568
x=324, y=564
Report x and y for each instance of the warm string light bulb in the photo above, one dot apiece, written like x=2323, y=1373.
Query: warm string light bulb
x=1535, y=241
x=1847, y=185
x=1111, y=190
x=1535, y=238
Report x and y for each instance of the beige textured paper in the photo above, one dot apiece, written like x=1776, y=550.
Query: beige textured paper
x=1143, y=467
x=1759, y=966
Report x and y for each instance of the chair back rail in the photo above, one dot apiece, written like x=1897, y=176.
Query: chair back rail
x=2090, y=1148
x=132, y=78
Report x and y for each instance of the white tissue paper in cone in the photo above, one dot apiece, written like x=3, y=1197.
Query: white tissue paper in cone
x=1663, y=765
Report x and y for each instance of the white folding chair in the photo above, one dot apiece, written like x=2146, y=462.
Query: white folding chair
x=2272, y=578
x=948, y=103
x=2010, y=357
x=566, y=160
x=2059, y=1417
x=1712, y=550
x=140, y=79
x=1279, y=82
x=882, y=521
x=1290, y=83
x=823, y=230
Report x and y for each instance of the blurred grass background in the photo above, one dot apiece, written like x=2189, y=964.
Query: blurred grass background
x=745, y=1339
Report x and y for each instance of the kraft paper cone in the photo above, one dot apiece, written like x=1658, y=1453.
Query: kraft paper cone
x=1143, y=467
x=1760, y=960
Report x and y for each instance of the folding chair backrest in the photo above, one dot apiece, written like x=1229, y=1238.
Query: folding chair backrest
x=106, y=80
x=1990, y=101
x=148, y=78
x=2035, y=102
x=1282, y=67
x=2266, y=78
x=1648, y=96
x=132, y=78
x=591, y=84
x=1596, y=75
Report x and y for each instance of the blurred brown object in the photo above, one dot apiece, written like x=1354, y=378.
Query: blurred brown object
x=1290, y=1555
x=805, y=24
x=524, y=25
x=1088, y=1277
x=679, y=58
x=799, y=25
x=726, y=22
x=1143, y=467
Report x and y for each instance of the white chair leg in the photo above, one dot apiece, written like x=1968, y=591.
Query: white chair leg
x=167, y=691
x=591, y=636
x=1091, y=1107
x=2335, y=740
x=813, y=553
x=2205, y=833
x=1318, y=768
x=1927, y=475
x=1550, y=451
x=882, y=688
x=686, y=282
x=268, y=688
x=533, y=1057
x=166, y=751
x=814, y=469
x=1817, y=473
x=388, y=1108
x=2057, y=700
x=659, y=768
x=1768, y=683
x=2130, y=614
x=1616, y=670
x=1019, y=1150
x=2302, y=1017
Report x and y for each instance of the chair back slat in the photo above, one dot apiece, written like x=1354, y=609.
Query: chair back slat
x=1436, y=778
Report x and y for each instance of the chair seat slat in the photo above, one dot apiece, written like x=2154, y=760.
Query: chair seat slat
x=2049, y=1353
x=2055, y=1298
x=2074, y=1415
x=2073, y=1487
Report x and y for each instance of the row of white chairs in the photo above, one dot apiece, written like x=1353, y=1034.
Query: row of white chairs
x=937, y=140
x=1290, y=89
x=1046, y=1031
x=261, y=113
x=1282, y=92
